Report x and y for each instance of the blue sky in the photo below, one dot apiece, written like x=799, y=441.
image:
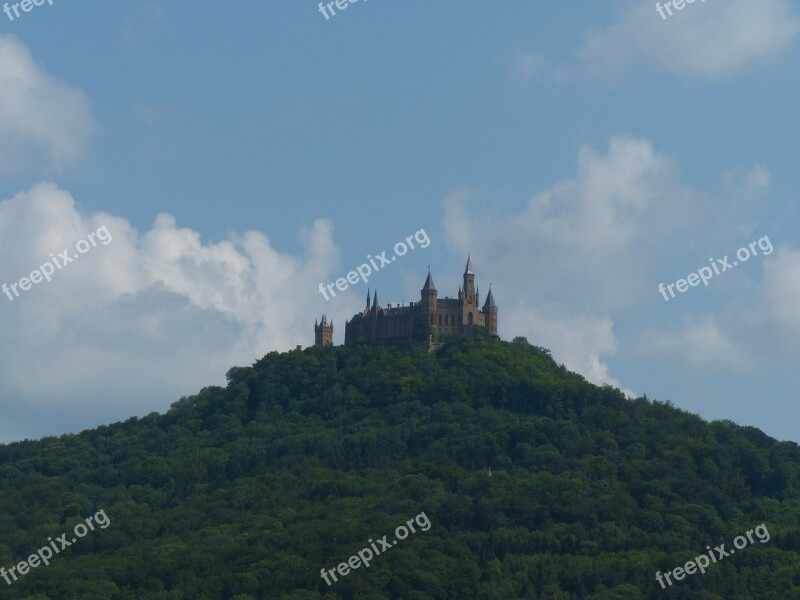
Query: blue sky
x=240, y=155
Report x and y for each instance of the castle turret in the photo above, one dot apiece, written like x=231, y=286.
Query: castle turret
x=323, y=332
x=490, y=313
x=428, y=295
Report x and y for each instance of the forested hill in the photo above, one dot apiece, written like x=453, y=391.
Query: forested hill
x=247, y=492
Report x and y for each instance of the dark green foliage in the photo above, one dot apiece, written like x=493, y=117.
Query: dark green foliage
x=422, y=330
x=247, y=491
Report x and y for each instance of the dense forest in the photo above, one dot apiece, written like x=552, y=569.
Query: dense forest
x=536, y=483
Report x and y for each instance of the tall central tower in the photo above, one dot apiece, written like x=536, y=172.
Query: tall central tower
x=469, y=305
x=469, y=282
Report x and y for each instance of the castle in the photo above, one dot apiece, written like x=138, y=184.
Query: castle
x=416, y=323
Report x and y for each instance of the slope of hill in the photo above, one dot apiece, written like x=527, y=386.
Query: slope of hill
x=247, y=492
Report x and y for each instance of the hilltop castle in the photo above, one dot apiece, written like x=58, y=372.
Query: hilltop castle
x=415, y=323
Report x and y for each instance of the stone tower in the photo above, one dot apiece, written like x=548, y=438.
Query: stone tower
x=490, y=313
x=470, y=303
x=428, y=296
x=323, y=332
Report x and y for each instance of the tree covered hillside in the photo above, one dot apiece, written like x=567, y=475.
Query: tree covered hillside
x=247, y=491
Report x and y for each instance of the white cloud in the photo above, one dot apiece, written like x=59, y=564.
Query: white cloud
x=136, y=323
x=42, y=119
x=699, y=343
x=611, y=231
x=577, y=341
x=572, y=245
x=583, y=230
x=705, y=40
x=597, y=245
x=782, y=292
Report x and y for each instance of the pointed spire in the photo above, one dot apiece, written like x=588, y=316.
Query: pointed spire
x=489, y=300
x=367, y=298
x=429, y=285
x=468, y=270
x=375, y=300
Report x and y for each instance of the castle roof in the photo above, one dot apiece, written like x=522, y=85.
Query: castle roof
x=468, y=270
x=429, y=285
x=489, y=301
x=396, y=311
x=452, y=302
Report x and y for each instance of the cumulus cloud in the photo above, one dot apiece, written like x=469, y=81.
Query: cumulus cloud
x=706, y=40
x=42, y=120
x=148, y=317
x=577, y=341
x=597, y=245
x=700, y=342
x=610, y=230
x=582, y=229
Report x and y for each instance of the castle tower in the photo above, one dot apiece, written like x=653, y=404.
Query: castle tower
x=323, y=332
x=490, y=313
x=469, y=281
x=428, y=295
x=468, y=304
